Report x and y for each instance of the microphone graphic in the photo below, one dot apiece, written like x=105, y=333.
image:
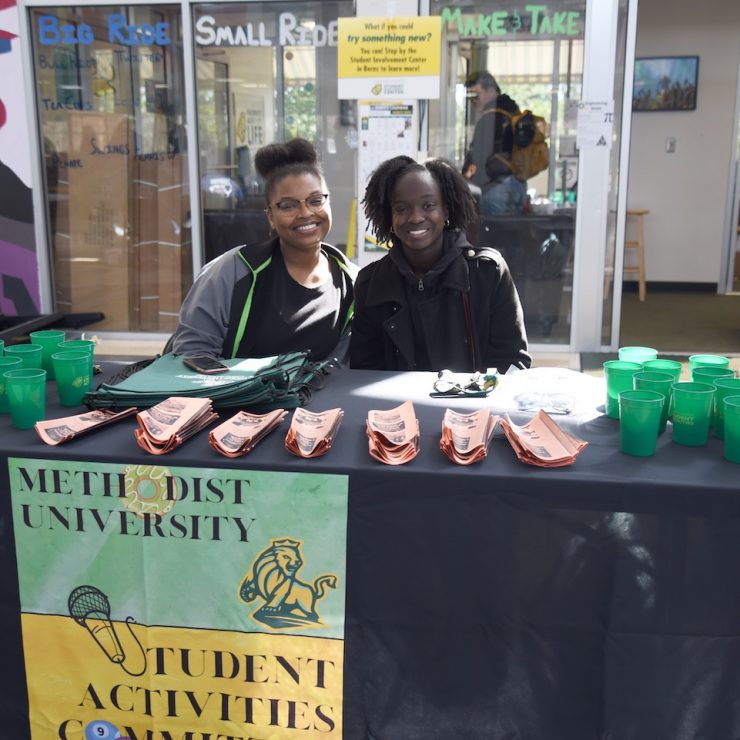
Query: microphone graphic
x=91, y=609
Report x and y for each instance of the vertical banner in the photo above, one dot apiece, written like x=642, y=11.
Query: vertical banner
x=167, y=602
x=386, y=129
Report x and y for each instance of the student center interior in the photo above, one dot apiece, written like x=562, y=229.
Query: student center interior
x=148, y=117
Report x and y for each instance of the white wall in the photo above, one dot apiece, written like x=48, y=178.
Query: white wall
x=686, y=191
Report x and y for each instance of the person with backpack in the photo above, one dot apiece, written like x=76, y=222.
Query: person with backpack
x=488, y=162
x=435, y=301
x=291, y=293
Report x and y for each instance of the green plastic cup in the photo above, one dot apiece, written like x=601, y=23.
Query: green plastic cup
x=672, y=367
x=82, y=345
x=30, y=354
x=723, y=388
x=731, y=414
x=647, y=380
x=618, y=375
x=637, y=354
x=26, y=389
x=49, y=340
x=692, y=413
x=79, y=345
x=7, y=363
x=708, y=373
x=707, y=361
x=639, y=421
x=74, y=376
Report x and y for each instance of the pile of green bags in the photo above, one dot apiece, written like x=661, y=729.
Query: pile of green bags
x=262, y=384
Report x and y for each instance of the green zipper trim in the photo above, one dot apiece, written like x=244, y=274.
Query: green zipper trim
x=351, y=309
x=248, y=303
x=350, y=314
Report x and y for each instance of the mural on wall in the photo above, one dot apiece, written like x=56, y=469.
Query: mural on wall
x=19, y=290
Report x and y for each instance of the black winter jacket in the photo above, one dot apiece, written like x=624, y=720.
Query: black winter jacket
x=468, y=314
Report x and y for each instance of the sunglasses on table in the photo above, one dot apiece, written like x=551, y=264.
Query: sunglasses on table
x=314, y=203
x=478, y=385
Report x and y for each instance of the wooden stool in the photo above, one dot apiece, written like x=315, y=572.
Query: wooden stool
x=638, y=244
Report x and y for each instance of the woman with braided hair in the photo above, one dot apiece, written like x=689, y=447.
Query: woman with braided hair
x=434, y=301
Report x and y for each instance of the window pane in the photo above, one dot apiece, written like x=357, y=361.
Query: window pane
x=110, y=90
x=267, y=72
x=535, y=54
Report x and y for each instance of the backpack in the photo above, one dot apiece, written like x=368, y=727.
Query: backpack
x=530, y=154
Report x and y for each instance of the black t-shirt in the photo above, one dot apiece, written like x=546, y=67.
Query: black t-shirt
x=303, y=318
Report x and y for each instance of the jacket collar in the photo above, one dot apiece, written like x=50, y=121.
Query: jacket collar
x=393, y=271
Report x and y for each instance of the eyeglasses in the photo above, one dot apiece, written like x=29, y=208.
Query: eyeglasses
x=476, y=385
x=314, y=203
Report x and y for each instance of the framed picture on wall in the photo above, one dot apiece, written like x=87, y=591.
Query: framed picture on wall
x=665, y=83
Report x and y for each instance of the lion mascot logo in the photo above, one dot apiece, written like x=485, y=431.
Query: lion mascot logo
x=289, y=602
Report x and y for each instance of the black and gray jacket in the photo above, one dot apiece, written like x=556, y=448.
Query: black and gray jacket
x=224, y=299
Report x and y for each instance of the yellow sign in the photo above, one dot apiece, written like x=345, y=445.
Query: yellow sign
x=186, y=683
x=389, y=57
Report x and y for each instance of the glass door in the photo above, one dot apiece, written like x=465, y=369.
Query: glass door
x=266, y=72
x=498, y=64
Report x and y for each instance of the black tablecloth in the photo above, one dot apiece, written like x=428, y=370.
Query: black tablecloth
x=498, y=600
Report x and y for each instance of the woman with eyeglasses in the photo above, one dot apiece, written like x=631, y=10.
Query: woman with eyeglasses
x=291, y=293
x=434, y=301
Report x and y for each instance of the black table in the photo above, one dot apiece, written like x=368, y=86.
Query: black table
x=499, y=601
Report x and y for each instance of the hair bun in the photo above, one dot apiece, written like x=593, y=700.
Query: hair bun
x=272, y=157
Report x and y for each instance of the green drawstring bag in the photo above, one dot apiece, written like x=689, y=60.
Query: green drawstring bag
x=258, y=384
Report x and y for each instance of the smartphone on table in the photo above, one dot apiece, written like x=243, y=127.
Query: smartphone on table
x=204, y=364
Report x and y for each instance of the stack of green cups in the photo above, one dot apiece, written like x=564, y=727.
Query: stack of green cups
x=6, y=363
x=26, y=391
x=618, y=375
x=79, y=345
x=639, y=421
x=692, y=413
x=708, y=374
x=672, y=367
x=30, y=354
x=707, y=361
x=723, y=388
x=647, y=380
x=48, y=339
x=637, y=354
x=731, y=416
x=74, y=376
